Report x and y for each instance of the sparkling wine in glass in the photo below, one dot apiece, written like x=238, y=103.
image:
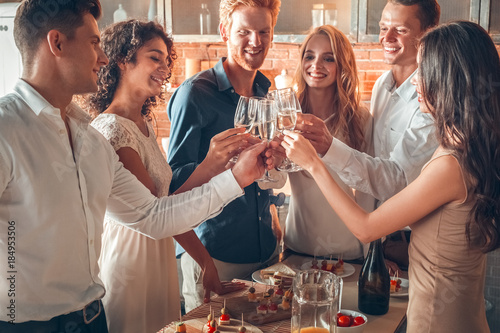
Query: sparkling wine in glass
x=287, y=118
x=266, y=123
x=244, y=116
x=288, y=107
x=253, y=105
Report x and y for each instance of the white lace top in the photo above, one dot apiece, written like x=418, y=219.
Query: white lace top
x=122, y=132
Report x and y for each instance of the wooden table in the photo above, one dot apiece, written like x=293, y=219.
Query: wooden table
x=376, y=324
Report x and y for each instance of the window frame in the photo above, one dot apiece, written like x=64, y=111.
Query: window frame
x=479, y=13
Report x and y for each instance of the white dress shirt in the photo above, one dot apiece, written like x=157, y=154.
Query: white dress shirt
x=403, y=141
x=53, y=200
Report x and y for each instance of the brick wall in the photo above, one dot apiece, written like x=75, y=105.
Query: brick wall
x=369, y=59
x=280, y=56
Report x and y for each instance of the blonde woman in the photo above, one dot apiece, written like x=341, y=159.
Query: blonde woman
x=327, y=84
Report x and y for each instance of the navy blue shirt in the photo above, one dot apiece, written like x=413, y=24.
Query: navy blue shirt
x=200, y=108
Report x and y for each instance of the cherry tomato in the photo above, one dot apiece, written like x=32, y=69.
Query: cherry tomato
x=340, y=314
x=358, y=321
x=344, y=321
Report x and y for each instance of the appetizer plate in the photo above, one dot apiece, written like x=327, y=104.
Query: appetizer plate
x=404, y=288
x=257, y=278
x=348, y=268
x=197, y=326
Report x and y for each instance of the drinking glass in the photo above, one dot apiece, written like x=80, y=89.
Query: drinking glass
x=316, y=301
x=288, y=107
x=266, y=125
x=244, y=116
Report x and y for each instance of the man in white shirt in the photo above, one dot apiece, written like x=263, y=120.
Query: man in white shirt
x=403, y=137
x=58, y=176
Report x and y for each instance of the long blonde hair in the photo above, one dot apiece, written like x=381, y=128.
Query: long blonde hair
x=345, y=120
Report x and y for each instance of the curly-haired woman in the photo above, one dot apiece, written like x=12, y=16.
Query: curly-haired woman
x=139, y=273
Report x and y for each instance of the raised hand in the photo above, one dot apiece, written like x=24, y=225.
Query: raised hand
x=300, y=150
x=274, y=154
x=315, y=130
x=250, y=165
x=225, y=145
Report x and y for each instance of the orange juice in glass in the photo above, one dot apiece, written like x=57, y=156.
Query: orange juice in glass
x=315, y=303
x=314, y=330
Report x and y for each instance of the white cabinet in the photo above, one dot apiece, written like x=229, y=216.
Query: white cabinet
x=10, y=58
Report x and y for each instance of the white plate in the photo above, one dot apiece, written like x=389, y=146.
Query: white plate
x=257, y=278
x=348, y=268
x=197, y=325
x=404, y=288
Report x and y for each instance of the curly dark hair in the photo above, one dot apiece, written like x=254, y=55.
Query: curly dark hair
x=460, y=75
x=120, y=43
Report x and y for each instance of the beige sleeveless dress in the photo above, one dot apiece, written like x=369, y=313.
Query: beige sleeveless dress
x=446, y=276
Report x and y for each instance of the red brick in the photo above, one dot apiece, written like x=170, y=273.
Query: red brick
x=376, y=55
x=186, y=45
x=289, y=46
x=366, y=96
x=373, y=75
x=294, y=54
x=163, y=133
x=178, y=68
x=161, y=114
x=268, y=64
x=368, y=86
x=362, y=54
x=221, y=53
x=372, y=65
x=366, y=46
x=277, y=54
x=289, y=64
x=198, y=53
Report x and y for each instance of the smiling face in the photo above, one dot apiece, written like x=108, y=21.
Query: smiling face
x=83, y=57
x=400, y=30
x=150, y=70
x=319, y=68
x=249, y=37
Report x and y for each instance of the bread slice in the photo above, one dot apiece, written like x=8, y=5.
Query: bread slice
x=278, y=269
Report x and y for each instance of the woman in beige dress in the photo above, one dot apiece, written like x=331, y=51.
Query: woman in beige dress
x=453, y=207
x=139, y=273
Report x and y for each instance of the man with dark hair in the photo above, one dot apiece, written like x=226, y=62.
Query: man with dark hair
x=428, y=12
x=403, y=137
x=58, y=177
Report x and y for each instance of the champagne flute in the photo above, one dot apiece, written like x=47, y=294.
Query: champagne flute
x=288, y=107
x=244, y=116
x=266, y=123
